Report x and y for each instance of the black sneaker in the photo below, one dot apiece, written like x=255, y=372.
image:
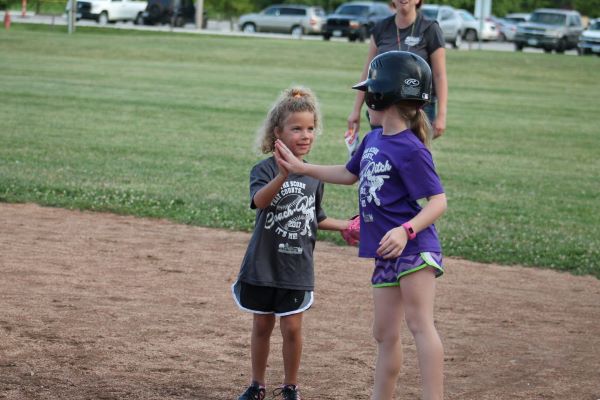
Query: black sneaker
x=287, y=392
x=254, y=392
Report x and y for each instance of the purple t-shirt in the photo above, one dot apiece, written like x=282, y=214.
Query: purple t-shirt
x=395, y=171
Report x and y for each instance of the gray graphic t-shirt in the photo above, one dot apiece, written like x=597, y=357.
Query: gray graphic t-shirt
x=280, y=252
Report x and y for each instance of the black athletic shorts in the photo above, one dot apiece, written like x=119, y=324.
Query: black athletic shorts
x=270, y=300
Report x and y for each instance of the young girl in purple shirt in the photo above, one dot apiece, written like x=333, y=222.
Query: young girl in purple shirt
x=395, y=169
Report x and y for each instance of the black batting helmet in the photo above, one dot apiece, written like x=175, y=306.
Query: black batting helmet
x=396, y=76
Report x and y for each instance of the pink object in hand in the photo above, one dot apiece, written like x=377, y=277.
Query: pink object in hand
x=352, y=234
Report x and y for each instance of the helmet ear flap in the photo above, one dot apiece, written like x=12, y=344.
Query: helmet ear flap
x=377, y=101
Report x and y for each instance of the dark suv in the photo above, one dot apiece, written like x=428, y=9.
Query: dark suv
x=175, y=12
x=549, y=29
x=354, y=20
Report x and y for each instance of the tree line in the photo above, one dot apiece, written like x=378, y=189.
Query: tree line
x=228, y=9
x=233, y=8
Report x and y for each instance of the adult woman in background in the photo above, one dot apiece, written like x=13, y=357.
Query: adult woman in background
x=408, y=30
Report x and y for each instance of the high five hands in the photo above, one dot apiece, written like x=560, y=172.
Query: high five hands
x=286, y=160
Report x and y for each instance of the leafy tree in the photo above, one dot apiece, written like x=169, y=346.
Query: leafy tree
x=9, y=4
x=227, y=9
x=590, y=8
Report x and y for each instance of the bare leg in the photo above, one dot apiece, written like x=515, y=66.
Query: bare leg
x=262, y=328
x=291, y=331
x=418, y=293
x=386, y=331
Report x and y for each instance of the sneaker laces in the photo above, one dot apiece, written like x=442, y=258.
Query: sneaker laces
x=287, y=392
x=256, y=392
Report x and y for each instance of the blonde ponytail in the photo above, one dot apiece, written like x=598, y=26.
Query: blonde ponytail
x=417, y=120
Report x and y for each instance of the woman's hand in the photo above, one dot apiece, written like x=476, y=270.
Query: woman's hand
x=393, y=243
x=440, y=81
x=439, y=125
x=353, y=122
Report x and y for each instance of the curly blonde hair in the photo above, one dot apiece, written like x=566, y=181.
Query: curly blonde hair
x=292, y=100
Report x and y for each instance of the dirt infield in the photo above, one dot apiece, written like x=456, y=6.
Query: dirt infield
x=99, y=306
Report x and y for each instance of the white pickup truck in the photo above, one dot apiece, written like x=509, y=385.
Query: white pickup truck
x=105, y=11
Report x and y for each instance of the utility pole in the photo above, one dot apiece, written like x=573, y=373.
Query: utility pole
x=199, y=14
x=483, y=9
x=71, y=16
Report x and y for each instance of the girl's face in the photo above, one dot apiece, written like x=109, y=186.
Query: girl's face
x=298, y=132
x=375, y=117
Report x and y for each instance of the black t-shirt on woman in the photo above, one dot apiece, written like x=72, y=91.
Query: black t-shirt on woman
x=423, y=37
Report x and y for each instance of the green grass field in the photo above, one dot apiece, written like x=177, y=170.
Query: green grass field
x=162, y=125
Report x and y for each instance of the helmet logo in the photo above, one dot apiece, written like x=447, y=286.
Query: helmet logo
x=412, y=82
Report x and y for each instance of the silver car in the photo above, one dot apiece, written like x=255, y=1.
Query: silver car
x=508, y=29
x=589, y=41
x=284, y=18
x=449, y=21
x=550, y=29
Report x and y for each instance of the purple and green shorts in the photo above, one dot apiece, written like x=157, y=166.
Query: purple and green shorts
x=389, y=272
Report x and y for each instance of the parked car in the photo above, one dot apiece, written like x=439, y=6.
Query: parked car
x=550, y=29
x=589, y=41
x=354, y=20
x=492, y=26
x=449, y=21
x=176, y=12
x=508, y=28
x=105, y=11
x=284, y=18
x=517, y=18
x=471, y=27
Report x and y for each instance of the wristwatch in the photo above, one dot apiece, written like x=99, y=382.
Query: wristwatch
x=410, y=231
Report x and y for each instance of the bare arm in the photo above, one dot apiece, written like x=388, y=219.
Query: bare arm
x=435, y=207
x=394, y=241
x=330, y=173
x=264, y=196
x=326, y=173
x=333, y=224
x=438, y=64
x=354, y=117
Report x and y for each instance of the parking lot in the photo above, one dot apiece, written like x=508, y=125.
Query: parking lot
x=226, y=28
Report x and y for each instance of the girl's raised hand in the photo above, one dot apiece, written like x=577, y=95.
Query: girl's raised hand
x=283, y=171
x=393, y=242
x=286, y=159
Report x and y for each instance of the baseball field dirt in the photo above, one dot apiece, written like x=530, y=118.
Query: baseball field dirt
x=101, y=306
